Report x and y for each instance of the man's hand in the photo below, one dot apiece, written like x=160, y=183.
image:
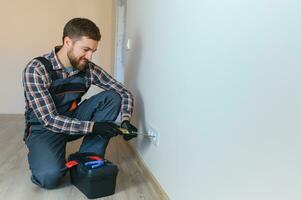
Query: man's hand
x=132, y=129
x=106, y=129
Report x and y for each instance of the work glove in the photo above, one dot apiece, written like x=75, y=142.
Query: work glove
x=132, y=130
x=106, y=129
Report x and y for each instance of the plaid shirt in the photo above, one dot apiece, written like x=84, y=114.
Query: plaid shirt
x=36, y=83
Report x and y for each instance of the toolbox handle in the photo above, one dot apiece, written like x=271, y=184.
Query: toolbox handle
x=82, y=158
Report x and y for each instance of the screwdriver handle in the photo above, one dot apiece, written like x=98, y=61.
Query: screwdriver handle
x=124, y=131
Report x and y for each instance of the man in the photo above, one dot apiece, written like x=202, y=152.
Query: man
x=53, y=87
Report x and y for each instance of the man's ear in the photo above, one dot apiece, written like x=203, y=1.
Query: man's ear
x=68, y=42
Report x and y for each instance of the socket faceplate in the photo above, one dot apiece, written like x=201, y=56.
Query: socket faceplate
x=155, y=139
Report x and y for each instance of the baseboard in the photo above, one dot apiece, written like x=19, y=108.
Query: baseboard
x=147, y=173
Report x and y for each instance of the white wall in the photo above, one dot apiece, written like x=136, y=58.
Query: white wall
x=31, y=28
x=220, y=82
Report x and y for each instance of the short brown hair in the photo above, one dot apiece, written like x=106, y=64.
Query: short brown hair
x=78, y=27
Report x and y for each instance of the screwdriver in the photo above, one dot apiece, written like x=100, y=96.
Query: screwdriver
x=125, y=131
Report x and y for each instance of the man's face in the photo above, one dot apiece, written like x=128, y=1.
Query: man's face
x=80, y=52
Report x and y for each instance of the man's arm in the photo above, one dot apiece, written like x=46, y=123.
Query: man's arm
x=102, y=79
x=36, y=85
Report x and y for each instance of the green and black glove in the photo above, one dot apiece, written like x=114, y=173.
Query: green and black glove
x=132, y=130
x=106, y=129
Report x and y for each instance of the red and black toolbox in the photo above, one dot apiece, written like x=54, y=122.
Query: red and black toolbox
x=92, y=175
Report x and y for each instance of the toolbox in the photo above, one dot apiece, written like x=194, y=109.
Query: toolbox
x=92, y=175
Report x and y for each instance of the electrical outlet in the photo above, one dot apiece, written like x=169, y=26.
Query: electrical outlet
x=155, y=136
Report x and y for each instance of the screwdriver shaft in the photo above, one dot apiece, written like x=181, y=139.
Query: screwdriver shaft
x=125, y=131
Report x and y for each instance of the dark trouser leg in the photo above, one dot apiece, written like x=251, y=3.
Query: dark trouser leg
x=46, y=157
x=104, y=106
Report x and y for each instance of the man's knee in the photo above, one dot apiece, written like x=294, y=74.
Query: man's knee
x=47, y=179
x=104, y=106
x=112, y=98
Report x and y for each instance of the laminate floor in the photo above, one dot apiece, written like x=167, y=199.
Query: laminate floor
x=15, y=174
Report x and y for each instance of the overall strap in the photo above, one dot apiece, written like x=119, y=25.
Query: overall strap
x=48, y=66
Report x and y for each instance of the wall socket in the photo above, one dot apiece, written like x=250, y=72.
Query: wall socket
x=155, y=135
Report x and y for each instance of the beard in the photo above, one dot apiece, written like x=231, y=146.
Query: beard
x=79, y=63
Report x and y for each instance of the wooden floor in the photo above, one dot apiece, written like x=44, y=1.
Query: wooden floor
x=15, y=175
